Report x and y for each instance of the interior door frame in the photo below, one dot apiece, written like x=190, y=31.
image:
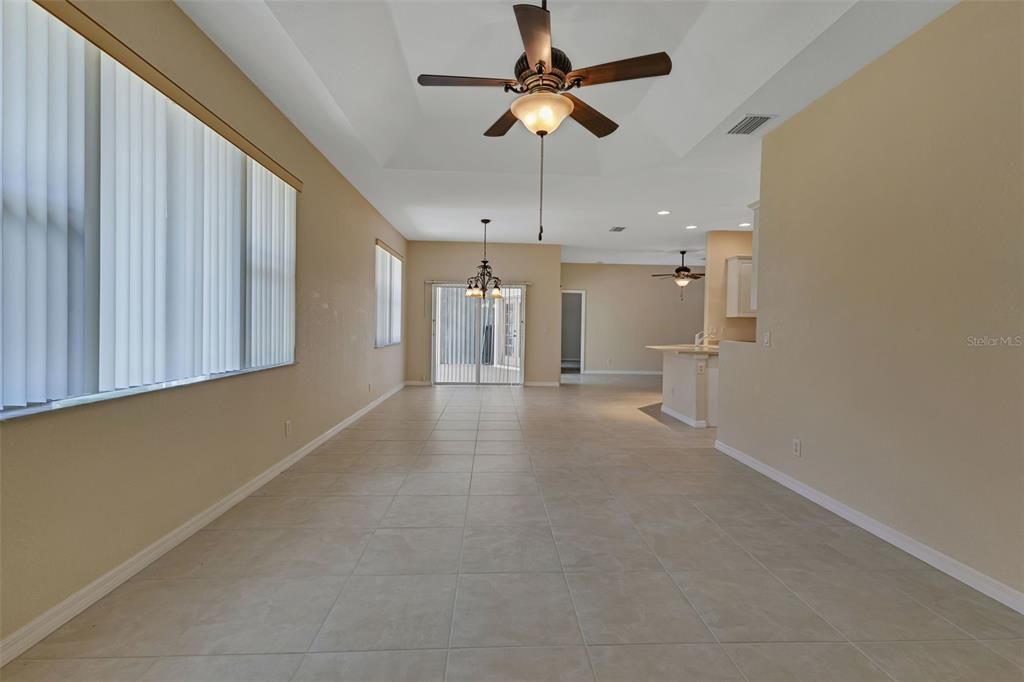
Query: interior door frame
x=521, y=338
x=583, y=326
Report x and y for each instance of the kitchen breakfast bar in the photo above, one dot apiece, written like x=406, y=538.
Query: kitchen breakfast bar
x=689, y=383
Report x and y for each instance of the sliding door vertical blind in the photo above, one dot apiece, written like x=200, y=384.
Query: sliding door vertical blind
x=137, y=246
x=388, y=269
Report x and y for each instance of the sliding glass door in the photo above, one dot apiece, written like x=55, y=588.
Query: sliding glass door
x=477, y=341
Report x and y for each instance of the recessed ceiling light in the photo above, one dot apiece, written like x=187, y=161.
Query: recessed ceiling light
x=664, y=212
x=691, y=227
x=744, y=224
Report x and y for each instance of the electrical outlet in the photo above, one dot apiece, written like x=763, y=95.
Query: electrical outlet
x=796, y=448
x=287, y=428
x=766, y=339
x=701, y=366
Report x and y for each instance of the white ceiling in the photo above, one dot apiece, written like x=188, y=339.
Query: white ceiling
x=344, y=72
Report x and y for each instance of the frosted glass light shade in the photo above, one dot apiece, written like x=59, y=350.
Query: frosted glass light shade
x=542, y=112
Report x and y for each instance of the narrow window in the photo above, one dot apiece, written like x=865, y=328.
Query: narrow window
x=389, y=296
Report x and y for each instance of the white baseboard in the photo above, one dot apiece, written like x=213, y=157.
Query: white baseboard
x=31, y=633
x=972, y=577
x=543, y=383
x=689, y=421
x=644, y=372
x=417, y=383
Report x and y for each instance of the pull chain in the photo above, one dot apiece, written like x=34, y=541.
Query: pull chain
x=540, y=221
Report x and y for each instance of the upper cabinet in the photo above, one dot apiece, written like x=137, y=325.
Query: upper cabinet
x=739, y=279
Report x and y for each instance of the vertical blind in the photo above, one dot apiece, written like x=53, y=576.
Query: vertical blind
x=389, y=297
x=137, y=246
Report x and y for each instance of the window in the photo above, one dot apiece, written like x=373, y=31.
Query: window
x=389, y=296
x=138, y=247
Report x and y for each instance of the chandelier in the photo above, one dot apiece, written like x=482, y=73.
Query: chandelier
x=484, y=279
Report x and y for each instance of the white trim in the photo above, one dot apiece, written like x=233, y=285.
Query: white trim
x=34, y=631
x=64, y=403
x=689, y=421
x=418, y=383
x=971, y=577
x=645, y=372
x=543, y=383
x=583, y=324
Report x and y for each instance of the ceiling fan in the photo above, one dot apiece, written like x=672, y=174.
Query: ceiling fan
x=682, y=275
x=544, y=75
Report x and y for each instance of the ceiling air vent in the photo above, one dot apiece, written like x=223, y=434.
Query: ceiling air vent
x=618, y=228
x=748, y=125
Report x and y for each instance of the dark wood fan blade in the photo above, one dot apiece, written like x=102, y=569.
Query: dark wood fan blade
x=431, y=79
x=590, y=118
x=502, y=125
x=657, y=64
x=535, y=28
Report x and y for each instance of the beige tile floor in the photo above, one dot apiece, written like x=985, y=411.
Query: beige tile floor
x=564, y=534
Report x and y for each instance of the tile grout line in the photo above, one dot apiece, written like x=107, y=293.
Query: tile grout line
x=345, y=583
x=856, y=644
x=565, y=580
x=798, y=597
x=458, y=570
x=696, y=611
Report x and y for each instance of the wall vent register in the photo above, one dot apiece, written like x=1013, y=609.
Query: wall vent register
x=748, y=125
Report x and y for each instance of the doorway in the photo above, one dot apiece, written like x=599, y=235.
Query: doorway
x=477, y=340
x=574, y=325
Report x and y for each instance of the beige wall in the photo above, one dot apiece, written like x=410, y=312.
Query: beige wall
x=85, y=488
x=890, y=233
x=537, y=264
x=723, y=244
x=628, y=309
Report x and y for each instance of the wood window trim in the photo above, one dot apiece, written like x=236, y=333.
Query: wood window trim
x=390, y=250
x=77, y=20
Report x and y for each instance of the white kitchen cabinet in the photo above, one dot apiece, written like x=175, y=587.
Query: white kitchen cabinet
x=739, y=278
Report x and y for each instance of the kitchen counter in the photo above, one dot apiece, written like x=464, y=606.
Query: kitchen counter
x=689, y=383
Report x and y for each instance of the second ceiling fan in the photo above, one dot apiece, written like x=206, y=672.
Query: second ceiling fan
x=682, y=275
x=544, y=76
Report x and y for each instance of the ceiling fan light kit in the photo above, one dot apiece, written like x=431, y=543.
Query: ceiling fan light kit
x=542, y=112
x=543, y=77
